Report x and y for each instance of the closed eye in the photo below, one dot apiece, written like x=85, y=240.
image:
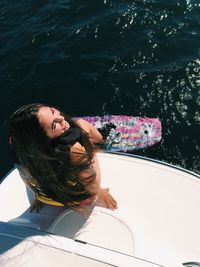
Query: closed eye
x=53, y=125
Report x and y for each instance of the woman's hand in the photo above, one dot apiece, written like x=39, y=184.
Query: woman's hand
x=107, y=198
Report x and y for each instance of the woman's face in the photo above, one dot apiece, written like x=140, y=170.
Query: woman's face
x=52, y=121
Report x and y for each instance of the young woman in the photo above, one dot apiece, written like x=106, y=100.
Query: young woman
x=56, y=157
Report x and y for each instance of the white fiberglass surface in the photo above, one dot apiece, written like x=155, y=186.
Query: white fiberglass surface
x=158, y=209
x=161, y=204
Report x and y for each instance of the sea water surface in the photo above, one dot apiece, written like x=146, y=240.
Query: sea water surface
x=139, y=58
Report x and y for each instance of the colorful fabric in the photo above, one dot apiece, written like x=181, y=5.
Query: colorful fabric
x=128, y=132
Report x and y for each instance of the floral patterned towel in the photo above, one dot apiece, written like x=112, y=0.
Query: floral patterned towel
x=125, y=133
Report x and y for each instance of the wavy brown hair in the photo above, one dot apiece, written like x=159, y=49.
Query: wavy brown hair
x=45, y=164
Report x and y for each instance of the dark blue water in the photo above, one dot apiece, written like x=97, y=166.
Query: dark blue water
x=140, y=58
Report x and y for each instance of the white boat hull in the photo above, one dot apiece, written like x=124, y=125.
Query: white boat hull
x=157, y=219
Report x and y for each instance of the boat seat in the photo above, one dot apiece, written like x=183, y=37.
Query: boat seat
x=100, y=227
x=25, y=222
x=40, y=220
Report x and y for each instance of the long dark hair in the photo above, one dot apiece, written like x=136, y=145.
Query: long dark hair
x=47, y=163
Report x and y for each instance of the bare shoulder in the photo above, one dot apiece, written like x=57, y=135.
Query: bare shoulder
x=94, y=134
x=77, y=153
x=85, y=125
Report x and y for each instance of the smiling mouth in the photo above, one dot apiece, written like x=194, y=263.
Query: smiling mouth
x=66, y=126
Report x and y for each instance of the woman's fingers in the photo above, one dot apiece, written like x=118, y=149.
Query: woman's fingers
x=108, y=198
x=112, y=203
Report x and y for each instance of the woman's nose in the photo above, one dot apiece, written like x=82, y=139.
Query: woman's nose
x=60, y=118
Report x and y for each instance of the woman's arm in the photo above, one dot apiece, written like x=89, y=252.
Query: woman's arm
x=94, y=186
x=90, y=179
x=95, y=189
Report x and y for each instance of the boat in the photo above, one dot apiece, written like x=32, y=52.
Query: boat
x=157, y=222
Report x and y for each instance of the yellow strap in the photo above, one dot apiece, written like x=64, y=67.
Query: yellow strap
x=48, y=200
